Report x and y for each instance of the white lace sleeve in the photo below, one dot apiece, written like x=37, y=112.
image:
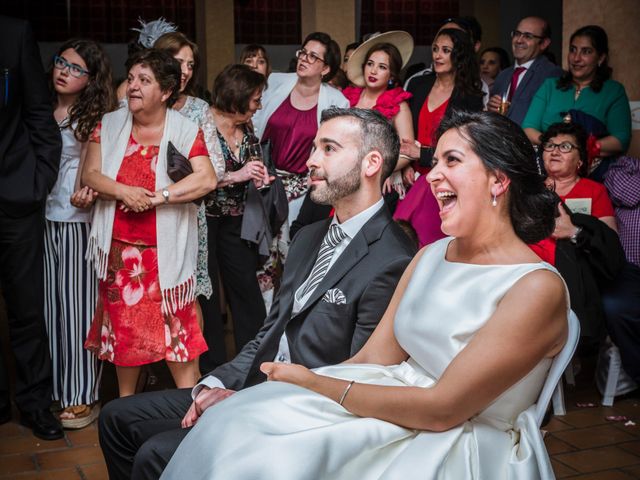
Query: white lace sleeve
x=213, y=144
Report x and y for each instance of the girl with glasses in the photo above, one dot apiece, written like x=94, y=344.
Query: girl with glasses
x=81, y=82
x=289, y=119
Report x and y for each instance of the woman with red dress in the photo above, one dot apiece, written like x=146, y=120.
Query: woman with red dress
x=584, y=245
x=144, y=237
x=454, y=84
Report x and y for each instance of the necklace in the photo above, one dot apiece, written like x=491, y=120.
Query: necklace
x=578, y=91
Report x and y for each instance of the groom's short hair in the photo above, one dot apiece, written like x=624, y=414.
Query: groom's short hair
x=376, y=133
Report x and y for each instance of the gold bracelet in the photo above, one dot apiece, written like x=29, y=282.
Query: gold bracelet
x=346, y=390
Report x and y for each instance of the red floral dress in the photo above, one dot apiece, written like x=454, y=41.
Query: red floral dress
x=129, y=328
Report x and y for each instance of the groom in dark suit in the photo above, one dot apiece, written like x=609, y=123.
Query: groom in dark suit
x=339, y=277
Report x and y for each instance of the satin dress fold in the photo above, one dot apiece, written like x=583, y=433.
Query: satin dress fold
x=281, y=431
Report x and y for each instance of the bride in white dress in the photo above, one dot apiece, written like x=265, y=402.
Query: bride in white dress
x=444, y=387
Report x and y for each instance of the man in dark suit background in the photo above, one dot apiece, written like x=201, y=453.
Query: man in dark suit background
x=329, y=303
x=30, y=148
x=519, y=83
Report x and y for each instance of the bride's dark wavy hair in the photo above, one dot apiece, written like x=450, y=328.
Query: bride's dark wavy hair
x=97, y=97
x=503, y=147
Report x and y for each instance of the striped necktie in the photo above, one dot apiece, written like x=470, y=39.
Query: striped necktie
x=333, y=237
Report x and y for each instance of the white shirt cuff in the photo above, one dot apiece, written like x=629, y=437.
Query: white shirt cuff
x=209, y=381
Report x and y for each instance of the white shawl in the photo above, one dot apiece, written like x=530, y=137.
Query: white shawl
x=176, y=224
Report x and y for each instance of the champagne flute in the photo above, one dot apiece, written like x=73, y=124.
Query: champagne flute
x=254, y=152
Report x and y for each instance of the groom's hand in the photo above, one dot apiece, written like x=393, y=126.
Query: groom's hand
x=206, y=398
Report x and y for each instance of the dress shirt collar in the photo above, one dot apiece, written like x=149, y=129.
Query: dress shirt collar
x=526, y=65
x=352, y=226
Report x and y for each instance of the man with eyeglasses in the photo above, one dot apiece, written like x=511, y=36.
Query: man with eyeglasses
x=515, y=86
x=30, y=147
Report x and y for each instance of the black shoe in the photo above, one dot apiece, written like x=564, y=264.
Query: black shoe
x=43, y=424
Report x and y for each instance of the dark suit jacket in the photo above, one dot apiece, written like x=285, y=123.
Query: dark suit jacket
x=30, y=141
x=540, y=70
x=420, y=87
x=325, y=333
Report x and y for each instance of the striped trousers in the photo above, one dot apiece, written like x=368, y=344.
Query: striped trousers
x=71, y=288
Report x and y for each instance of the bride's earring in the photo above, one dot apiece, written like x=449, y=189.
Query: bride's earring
x=494, y=203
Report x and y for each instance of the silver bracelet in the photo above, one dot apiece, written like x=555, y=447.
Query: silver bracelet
x=346, y=390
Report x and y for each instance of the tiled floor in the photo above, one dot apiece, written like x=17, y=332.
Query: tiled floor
x=583, y=444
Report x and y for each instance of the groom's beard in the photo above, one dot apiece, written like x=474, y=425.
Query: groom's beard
x=336, y=189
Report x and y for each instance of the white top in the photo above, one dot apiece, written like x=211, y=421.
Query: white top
x=351, y=228
x=58, y=207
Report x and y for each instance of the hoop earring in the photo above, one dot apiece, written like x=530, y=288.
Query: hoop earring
x=494, y=203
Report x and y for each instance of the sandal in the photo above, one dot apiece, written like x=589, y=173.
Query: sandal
x=79, y=416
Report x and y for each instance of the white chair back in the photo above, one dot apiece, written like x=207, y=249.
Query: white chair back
x=560, y=363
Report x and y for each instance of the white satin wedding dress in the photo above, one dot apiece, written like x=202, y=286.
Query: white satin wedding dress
x=279, y=431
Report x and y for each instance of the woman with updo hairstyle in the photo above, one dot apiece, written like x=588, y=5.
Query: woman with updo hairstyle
x=492, y=61
x=447, y=383
x=585, y=94
x=144, y=232
x=236, y=93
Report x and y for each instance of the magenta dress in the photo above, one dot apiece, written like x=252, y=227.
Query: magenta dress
x=419, y=207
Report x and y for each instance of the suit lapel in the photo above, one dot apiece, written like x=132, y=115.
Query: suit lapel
x=357, y=248
x=528, y=76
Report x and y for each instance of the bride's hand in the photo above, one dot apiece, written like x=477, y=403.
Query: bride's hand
x=288, y=372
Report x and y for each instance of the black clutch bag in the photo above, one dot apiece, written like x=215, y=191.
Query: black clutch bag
x=179, y=167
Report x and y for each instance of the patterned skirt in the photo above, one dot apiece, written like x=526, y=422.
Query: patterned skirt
x=129, y=328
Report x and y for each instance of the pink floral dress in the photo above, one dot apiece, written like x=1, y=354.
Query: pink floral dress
x=129, y=328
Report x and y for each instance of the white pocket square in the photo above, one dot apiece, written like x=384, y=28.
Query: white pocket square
x=334, y=295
